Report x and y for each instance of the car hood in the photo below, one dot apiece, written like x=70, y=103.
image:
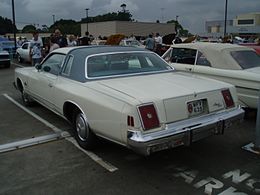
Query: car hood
x=160, y=86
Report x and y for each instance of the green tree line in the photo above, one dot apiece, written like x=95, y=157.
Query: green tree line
x=73, y=27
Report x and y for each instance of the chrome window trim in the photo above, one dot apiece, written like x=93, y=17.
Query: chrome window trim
x=121, y=75
x=65, y=65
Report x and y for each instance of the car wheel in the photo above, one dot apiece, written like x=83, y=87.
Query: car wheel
x=27, y=100
x=83, y=134
x=19, y=58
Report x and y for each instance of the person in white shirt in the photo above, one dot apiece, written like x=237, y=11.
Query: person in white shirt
x=36, y=46
x=158, y=43
x=71, y=41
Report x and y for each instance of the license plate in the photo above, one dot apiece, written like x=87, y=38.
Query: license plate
x=195, y=107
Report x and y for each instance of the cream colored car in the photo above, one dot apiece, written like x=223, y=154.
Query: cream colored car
x=129, y=96
x=234, y=64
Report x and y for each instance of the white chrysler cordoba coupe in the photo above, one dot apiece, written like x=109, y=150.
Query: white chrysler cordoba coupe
x=237, y=65
x=129, y=96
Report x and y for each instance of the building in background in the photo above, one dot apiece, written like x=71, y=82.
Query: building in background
x=244, y=25
x=126, y=28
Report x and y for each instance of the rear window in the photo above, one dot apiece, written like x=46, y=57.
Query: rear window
x=246, y=59
x=107, y=65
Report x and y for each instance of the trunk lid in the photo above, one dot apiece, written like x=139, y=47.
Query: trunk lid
x=172, y=90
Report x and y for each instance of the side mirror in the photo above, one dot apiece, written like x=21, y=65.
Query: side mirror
x=46, y=69
x=38, y=66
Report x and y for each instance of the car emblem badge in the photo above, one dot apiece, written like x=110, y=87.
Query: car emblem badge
x=149, y=115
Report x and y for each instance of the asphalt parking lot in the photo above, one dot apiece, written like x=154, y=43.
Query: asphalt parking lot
x=217, y=165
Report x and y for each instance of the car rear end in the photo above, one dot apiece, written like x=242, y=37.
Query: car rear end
x=186, y=120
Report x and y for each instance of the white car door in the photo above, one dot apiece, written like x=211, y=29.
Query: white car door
x=24, y=51
x=182, y=59
x=43, y=82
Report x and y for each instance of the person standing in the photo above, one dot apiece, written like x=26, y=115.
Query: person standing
x=71, y=41
x=149, y=43
x=36, y=46
x=53, y=44
x=158, y=43
x=60, y=40
x=85, y=40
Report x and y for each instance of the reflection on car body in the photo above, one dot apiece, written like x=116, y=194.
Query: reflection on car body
x=234, y=64
x=129, y=96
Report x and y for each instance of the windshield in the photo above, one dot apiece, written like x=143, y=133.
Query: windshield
x=117, y=64
x=246, y=59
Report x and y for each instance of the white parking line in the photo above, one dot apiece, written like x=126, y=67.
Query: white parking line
x=93, y=156
x=29, y=142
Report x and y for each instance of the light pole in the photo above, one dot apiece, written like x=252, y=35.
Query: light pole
x=225, y=25
x=14, y=29
x=53, y=18
x=87, y=17
x=177, y=18
x=162, y=9
x=177, y=25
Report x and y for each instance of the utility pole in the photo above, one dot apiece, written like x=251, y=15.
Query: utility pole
x=14, y=28
x=162, y=9
x=53, y=18
x=87, y=17
x=225, y=25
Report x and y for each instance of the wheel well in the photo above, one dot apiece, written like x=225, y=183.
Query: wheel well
x=19, y=85
x=69, y=109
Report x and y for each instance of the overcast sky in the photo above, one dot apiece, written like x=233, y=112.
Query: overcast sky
x=192, y=13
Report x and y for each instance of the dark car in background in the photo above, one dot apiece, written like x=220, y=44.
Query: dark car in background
x=4, y=58
x=7, y=45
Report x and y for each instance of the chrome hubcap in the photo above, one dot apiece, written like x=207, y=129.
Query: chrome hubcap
x=82, y=128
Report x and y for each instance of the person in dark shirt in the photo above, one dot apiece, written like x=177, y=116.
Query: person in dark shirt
x=85, y=40
x=60, y=40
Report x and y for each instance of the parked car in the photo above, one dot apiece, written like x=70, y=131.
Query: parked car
x=7, y=45
x=131, y=42
x=255, y=46
x=4, y=58
x=98, y=42
x=23, y=52
x=234, y=64
x=129, y=96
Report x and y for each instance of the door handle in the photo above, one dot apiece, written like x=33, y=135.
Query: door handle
x=188, y=69
x=50, y=85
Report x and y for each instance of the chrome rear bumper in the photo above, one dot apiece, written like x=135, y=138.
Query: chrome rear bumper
x=183, y=132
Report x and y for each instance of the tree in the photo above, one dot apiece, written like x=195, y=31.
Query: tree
x=28, y=29
x=66, y=27
x=6, y=26
x=119, y=16
x=180, y=29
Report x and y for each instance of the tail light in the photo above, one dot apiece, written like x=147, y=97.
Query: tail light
x=149, y=116
x=228, y=98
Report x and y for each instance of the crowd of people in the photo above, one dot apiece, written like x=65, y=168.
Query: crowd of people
x=154, y=43
x=38, y=49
